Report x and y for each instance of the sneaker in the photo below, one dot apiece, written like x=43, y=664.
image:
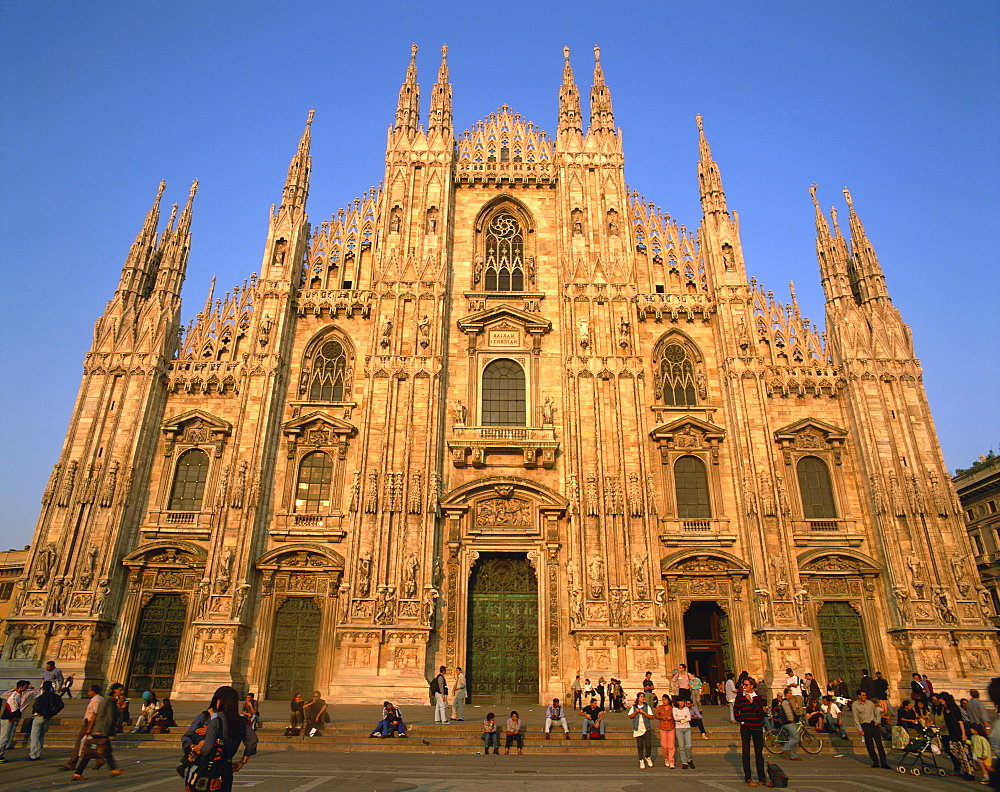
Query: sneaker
x=78, y=777
x=642, y=764
x=671, y=765
x=750, y=782
x=704, y=736
x=691, y=764
x=649, y=761
x=4, y=761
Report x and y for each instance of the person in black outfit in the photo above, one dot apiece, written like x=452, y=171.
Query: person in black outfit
x=232, y=728
x=748, y=709
x=881, y=690
x=954, y=743
x=917, y=690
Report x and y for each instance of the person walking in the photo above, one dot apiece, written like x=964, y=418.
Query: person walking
x=103, y=727
x=977, y=711
x=94, y=694
x=601, y=690
x=11, y=708
x=955, y=726
x=790, y=713
x=458, y=696
x=513, y=734
x=228, y=727
x=641, y=716
x=53, y=675
x=665, y=715
x=748, y=710
x=682, y=732
x=882, y=693
x=554, y=713
x=439, y=687
x=867, y=716
x=730, y=694
x=44, y=708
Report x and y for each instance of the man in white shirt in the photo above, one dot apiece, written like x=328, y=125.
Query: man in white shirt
x=792, y=681
x=12, y=703
x=730, y=689
x=94, y=693
x=833, y=716
x=553, y=715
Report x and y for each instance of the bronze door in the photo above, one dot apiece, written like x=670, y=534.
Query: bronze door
x=294, y=647
x=843, y=639
x=157, y=645
x=503, y=631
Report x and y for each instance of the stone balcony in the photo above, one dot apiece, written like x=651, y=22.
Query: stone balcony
x=483, y=446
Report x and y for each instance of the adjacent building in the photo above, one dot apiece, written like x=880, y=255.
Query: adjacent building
x=979, y=491
x=500, y=412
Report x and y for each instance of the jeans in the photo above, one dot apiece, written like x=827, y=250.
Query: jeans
x=794, y=732
x=757, y=737
x=7, y=729
x=831, y=724
x=491, y=740
x=588, y=724
x=644, y=745
x=683, y=739
x=39, y=726
x=440, y=709
x=387, y=727
x=550, y=722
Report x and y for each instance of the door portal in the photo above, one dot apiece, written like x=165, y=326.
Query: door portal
x=708, y=650
x=294, y=646
x=843, y=639
x=157, y=645
x=502, y=664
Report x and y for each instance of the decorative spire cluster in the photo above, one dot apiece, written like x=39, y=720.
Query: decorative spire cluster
x=713, y=197
x=570, y=121
x=440, y=120
x=602, y=117
x=296, y=190
x=408, y=108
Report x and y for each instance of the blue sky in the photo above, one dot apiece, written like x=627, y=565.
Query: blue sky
x=900, y=101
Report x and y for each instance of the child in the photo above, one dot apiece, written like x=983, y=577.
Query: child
x=981, y=750
x=489, y=735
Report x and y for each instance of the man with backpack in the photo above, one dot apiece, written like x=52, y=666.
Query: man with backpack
x=45, y=708
x=439, y=689
x=789, y=714
x=11, y=706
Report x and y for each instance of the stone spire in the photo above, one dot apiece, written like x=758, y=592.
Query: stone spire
x=408, y=108
x=713, y=198
x=139, y=269
x=602, y=117
x=831, y=251
x=569, y=102
x=296, y=191
x=868, y=273
x=175, y=244
x=440, y=120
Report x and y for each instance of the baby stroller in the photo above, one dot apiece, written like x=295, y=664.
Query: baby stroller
x=924, y=750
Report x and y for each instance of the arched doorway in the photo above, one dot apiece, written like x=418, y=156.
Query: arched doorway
x=157, y=645
x=502, y=664
x=294, y=647
x=708, y=647
x=843, y=637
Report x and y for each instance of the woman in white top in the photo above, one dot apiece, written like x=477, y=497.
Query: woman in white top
x=641, y=714
x=682, y=733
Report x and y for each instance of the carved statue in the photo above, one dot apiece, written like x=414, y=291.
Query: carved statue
x=240, y=599
x=576, y=607
x=103, y=589
x=583, y=329
x=801, y=598
x=661, y=608
x=364, y=574
x=88, y=568
x=596, y=577
x=985, y=603
x=203, y=596
x=48, y=558
x=383, y=612
x=548, y=411
x=958, y=568
x=430, y=605
x=461, y=412
x=767, y=508
x=639, y=567
x=918, y=574
x=780, y=581
x=763, y=599
x=225, y=579
x=902, y=602
x=942, y=602
x=410, y=583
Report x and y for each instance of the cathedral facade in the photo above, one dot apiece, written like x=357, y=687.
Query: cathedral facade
x=499, y=413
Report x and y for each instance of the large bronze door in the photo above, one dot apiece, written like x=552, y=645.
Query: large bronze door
x=843, y=639
x=294, y=646
x=157, y=645
x=503, y=631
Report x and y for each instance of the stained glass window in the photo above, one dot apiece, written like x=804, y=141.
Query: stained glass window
x=677, y=376
x=326, y=382
x=504, y=254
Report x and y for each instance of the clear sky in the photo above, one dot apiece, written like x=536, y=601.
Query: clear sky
x=100, y=100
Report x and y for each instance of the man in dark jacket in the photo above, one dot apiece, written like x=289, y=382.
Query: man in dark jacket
x=882, y=692
x=102, y=728
x=867, y=684
x=46, y=706
x=748, y=709
x=439, y=687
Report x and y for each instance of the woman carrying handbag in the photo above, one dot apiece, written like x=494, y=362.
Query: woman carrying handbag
x=214, y=768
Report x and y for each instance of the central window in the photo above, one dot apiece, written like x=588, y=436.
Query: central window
x=313, y=492
x=504, y=254
x=503, y=394
x=327, y=380
x=677, y=373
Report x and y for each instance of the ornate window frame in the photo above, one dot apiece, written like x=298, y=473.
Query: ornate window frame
x=504, y=205
x=309, y=354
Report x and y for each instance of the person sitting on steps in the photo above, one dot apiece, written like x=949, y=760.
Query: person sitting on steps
x=555, y=714
x=391, y=724
x=489, y=735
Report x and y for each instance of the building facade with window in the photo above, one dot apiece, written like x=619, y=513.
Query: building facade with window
x=979, y=492
x=499, y=413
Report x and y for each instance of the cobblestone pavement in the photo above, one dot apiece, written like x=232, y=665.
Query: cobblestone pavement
x=290, y=771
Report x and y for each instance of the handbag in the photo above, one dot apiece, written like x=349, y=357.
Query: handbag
x=205, y=775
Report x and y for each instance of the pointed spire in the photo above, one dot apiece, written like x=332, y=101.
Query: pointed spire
x=713, y=198
x=868, y=271
x=297, y=182
x=569, y=100
x=408, y=108
x=440, y=119
x=831, y=251
x=602, y=117
x=175, y=243
x=140, y=264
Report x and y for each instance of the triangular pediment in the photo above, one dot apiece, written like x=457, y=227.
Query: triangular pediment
x=479, y=321
x=829, y=431
x=212, y=422
x=686, y=424
x=310, y=420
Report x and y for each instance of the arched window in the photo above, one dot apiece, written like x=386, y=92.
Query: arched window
x=503, y=394
x=677, y=376
x=189, y=481
x=815, y=489
x=326, y=381
x=312, y=493
x=504, y=254
x=691, y=487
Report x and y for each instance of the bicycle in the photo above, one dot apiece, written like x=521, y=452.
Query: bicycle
x=810, y=740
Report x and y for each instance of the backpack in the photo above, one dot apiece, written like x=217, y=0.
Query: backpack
x=781, y=716
x=777, y=776
x=434, y=686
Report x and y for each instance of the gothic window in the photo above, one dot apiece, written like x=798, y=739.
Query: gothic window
x=326, y=381
x=312, y=494
x=815, y=489
x=504, y=254
x=503, y=394
x=691, y=488
x=677, y=376
x=189, y=481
